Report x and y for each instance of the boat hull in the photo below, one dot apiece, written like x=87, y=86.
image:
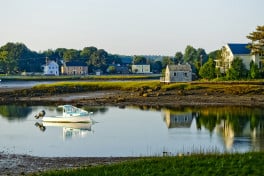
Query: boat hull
x=61, y=119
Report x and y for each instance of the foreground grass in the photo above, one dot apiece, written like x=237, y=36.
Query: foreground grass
x=215, y=164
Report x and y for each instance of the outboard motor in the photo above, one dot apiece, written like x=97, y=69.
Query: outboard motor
x=40, y=126
x=40, y=114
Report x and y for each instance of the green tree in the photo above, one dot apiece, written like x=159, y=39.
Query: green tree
x=98, y=60
x=201, y=56
x=20, y=58
x=178, y=57
x=157, y=67
x=207, y=71
x=49, y=53
x=111, y=69
x=138, y=60
x=71, y=54
x=59, y=52
x=257, y=41
x=190, y=54
x=215, y=54
x=237, y=70
x=3, y=60
x=88, y=51
x=166, y=60
x=254, y=70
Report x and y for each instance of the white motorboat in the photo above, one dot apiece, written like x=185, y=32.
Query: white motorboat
x=70, y=114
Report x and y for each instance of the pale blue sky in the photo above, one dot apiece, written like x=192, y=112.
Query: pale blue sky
x=131, y=27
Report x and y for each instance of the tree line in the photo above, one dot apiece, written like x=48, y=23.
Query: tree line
x=16, y=58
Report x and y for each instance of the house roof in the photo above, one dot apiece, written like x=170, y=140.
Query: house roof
x=186, y=67
x=239, y=48
x=75, y=64
x=126, y=60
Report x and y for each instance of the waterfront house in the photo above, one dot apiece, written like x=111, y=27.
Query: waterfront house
x=177, y=73
x=74, y=68
x=140, y=69
x=233, y=50
x=51, y=68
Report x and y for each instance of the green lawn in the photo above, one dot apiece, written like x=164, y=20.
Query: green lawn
x=200, y=165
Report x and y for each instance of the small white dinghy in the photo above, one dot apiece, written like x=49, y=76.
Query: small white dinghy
x=70, y=114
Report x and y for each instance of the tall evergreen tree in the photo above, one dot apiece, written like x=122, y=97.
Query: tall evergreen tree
x=257, y=41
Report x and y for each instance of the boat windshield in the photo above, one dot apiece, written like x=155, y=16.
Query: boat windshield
x=71, y=109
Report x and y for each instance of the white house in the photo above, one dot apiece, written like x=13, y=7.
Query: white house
x=140, y=68
x=51, y=68
x=233, y=50
x=177, y=73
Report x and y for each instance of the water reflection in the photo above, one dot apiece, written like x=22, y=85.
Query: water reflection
x=179, y=119
x=236, y=125
x=14, y=112
x=69, y=130
x=134, y=131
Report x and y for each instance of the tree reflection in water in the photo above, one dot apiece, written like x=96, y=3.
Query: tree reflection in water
x=230, y=122
x=15, y=112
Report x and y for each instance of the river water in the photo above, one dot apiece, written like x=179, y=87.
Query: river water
x=133, y=131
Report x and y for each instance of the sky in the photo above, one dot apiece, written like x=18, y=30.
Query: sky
x=129, y=27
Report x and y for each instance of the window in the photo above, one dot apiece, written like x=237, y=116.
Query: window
x=185, y=74
x=175, y=74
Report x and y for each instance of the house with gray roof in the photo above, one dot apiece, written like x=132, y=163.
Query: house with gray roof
x=232, y=50
x=177, y=73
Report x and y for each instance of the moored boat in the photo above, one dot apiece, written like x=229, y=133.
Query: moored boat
x=70, y=114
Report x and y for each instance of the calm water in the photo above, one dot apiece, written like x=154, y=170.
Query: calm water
x=133, y=131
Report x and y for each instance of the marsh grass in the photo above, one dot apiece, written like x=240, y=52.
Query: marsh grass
x=197, y=164
x=84, y=77
x=92, y=86
x=144, y=87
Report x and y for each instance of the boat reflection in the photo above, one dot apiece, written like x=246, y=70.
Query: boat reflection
x=69, y=130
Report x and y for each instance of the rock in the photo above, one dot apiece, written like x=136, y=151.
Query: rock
x=145, y=95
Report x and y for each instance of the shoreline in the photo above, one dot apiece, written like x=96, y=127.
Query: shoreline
x=171, y=98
